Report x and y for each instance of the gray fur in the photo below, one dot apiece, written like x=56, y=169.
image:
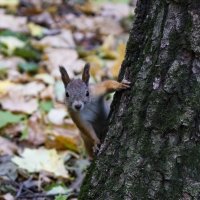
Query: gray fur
x=94, y=110
x=77, y=90
x=96, y=113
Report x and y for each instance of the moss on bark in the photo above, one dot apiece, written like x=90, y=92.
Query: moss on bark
x=152, y=147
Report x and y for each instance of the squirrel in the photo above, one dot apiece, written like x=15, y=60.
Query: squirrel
x=86, y=105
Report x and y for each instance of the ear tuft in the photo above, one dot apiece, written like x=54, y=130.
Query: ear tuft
x=86, y=73
x=64, y=75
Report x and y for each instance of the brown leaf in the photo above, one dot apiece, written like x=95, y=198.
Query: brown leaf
x=20, y=97
x=36, y=129
x=18, y=24
x=17, y=103
x=115, y=10
x=7, y=147
x=88, y=7
x=60, y=56
x=63, y=40
x=64, y=138
x=107, y=26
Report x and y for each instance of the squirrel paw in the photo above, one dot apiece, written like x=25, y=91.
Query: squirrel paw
x=125, y=84
x=96, y=148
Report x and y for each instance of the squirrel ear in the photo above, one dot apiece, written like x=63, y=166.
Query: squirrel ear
x=64, y=75
x=86, y=73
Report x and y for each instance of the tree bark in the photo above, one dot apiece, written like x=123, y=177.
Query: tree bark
x=152, y=148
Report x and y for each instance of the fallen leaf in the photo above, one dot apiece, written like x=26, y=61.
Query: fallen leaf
x=44, y=18
x=17, y=77
x=108, y=50
x=78, y=66
x=8, y=196
x=46, y=106
x=7, y=147
x=36, y=30
x=9, y=118
x=48, y=93
x=87, y=7
x=83, y=23
x=56, y=116
x=9, y=3
x=36, y=160
x=14, y=23
x=62, y=40
x=11, y=43
x=59, y=189
x=18, y=103
x=57, y=57
x=96, y=64
x=30, y=67
x=10, y=63
x=8, y=169
x=59, y=91
x=115, y=10
x=46, y=78
x=62, y=138
x=28, y=53
x=117, y=64
x=107, y=26
x=30, y=89
x=62, y=197
x=14, y=129
x=36, y=130
x=100, y=24
x=4, y=87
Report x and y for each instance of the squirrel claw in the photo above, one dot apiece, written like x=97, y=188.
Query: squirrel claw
x=125, y=84
x=96, y=148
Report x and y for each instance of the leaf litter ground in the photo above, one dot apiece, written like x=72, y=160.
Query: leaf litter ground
x=41, y=153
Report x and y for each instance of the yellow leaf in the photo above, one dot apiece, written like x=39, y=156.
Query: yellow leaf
x=107, y=49
x=9, y=2
x=36, y=160
x=35, y=30
x=4, y=86
x=63, y=138
x=96, y=66
x=108, y=42
x=117, y=64
x=88, y=7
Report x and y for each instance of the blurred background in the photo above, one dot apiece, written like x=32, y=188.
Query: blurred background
x=41, y=151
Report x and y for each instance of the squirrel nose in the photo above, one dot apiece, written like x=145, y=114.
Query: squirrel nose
x=78, y=106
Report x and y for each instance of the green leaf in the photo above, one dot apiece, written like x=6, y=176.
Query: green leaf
x=46, y=106
x=28, y=67
x=18, y=35
x=61, y=197
x=27, y=53
x=9, y=118
x=25, y=133
x=10, y=43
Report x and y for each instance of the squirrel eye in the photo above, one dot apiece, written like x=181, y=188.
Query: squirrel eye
x=87, y=94
x=67, y=94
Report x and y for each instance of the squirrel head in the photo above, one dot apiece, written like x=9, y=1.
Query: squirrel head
x=76, y=90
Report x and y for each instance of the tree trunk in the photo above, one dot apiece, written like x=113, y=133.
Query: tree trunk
x=152, y=148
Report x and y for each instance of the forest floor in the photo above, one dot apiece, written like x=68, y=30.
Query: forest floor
x=41, y=153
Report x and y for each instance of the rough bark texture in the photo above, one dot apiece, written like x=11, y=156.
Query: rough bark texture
x=152, y=149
